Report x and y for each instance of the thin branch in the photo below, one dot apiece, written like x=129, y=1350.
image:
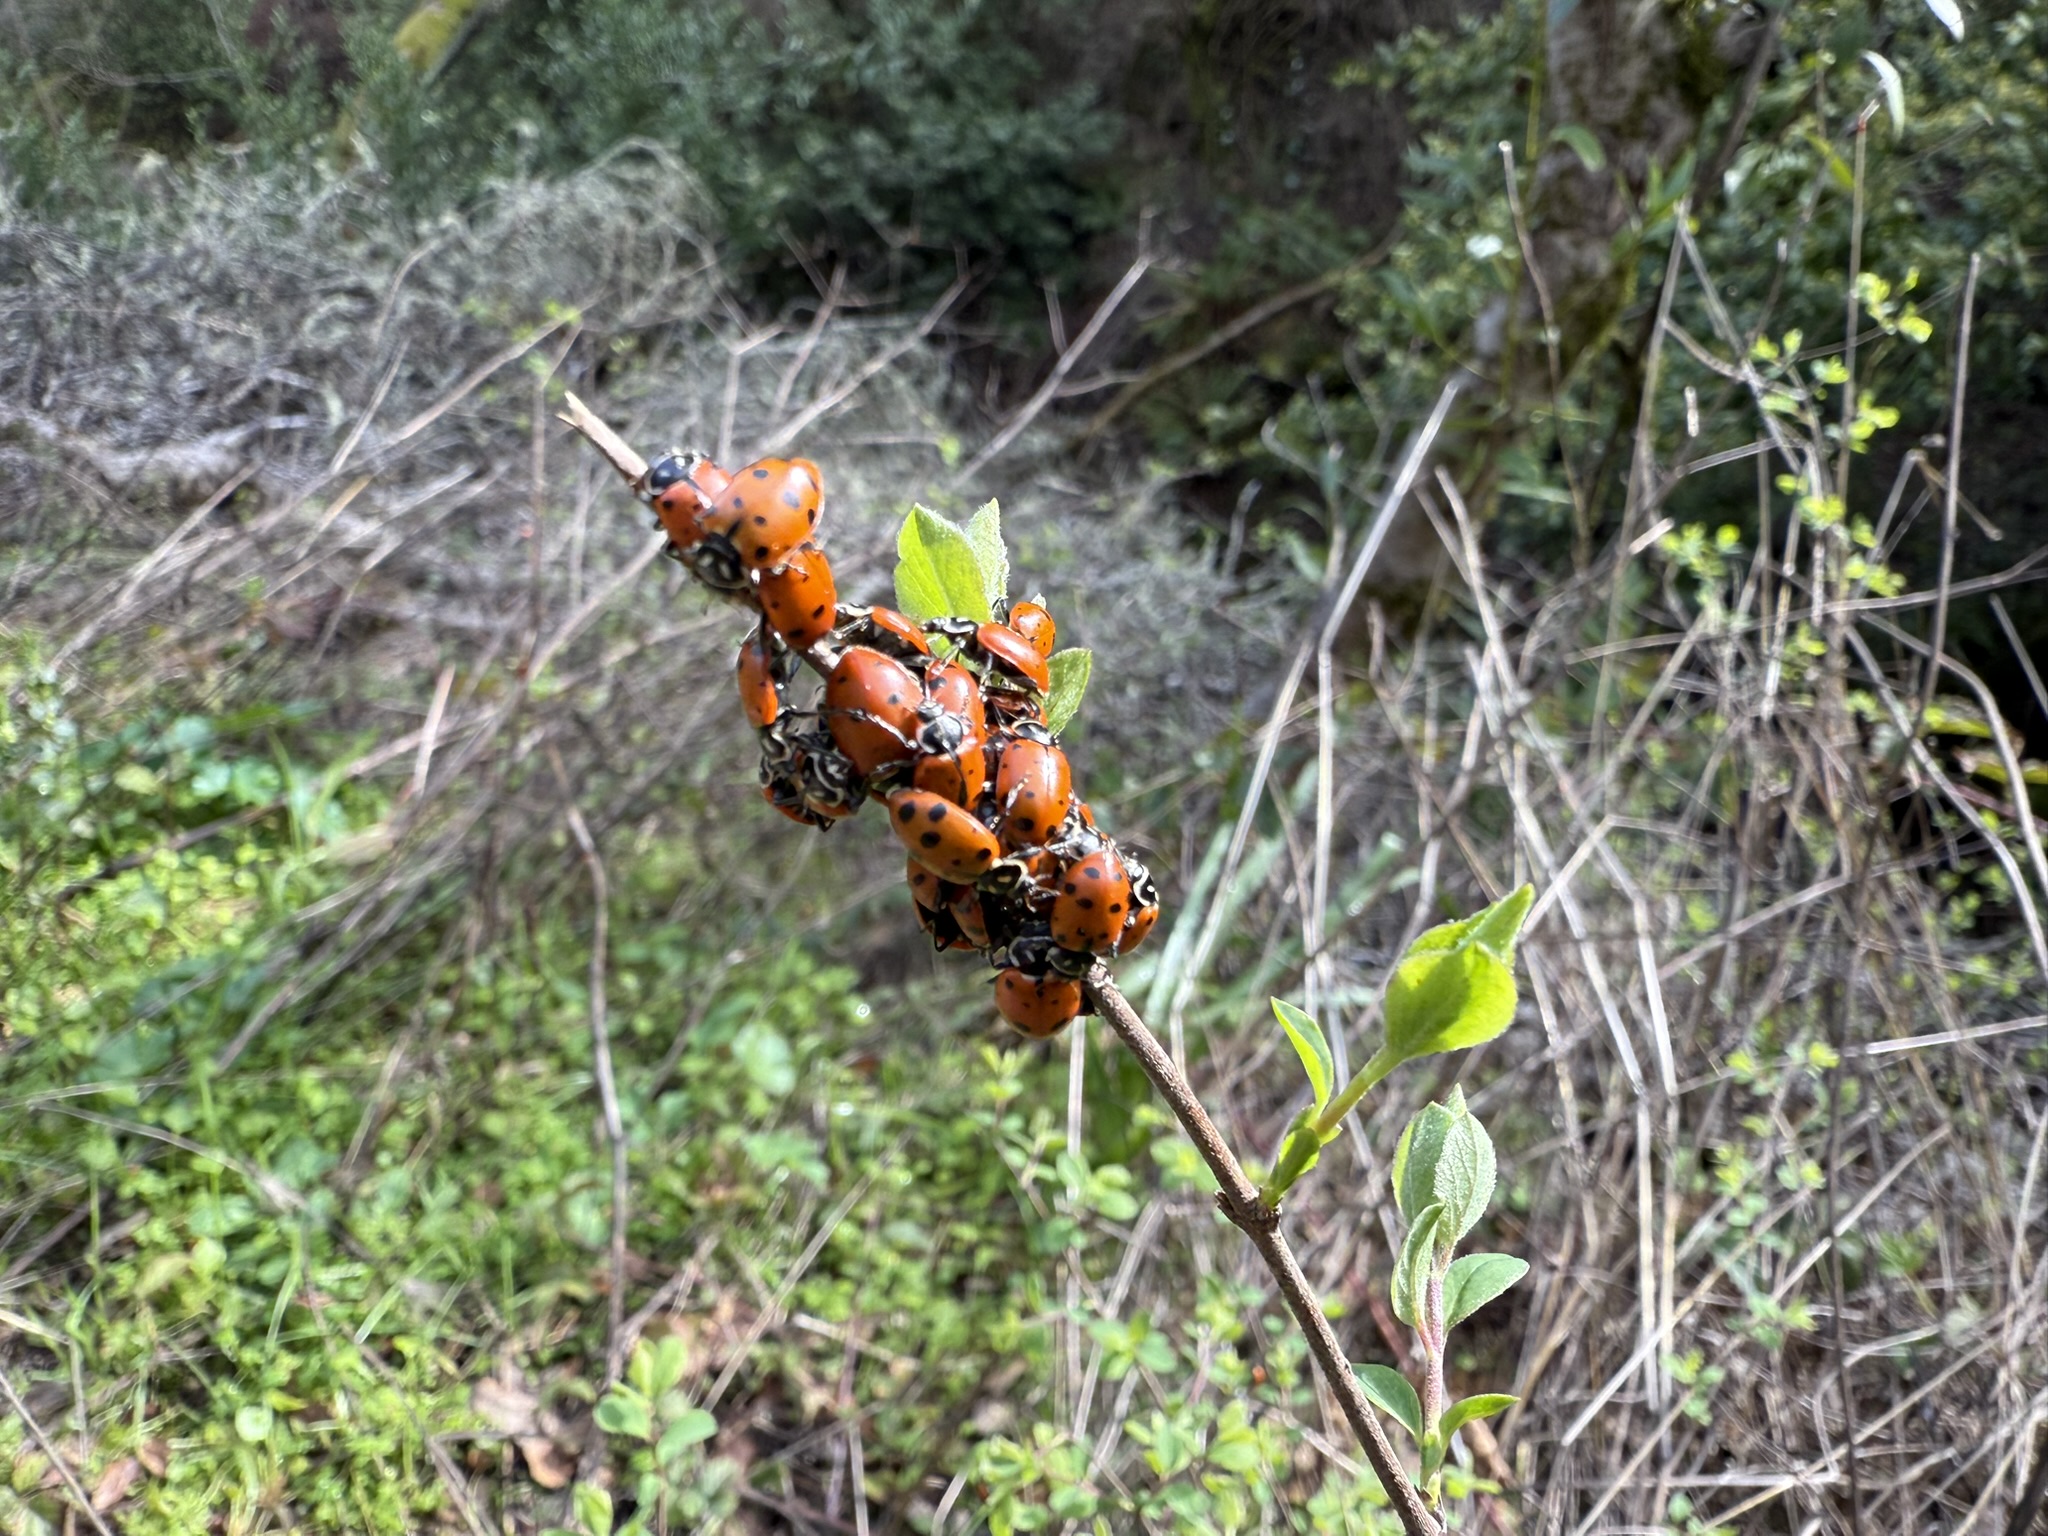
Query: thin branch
x=1239, y=1200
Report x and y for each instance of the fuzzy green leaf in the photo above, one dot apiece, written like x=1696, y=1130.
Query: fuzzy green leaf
x=1456, y=985
x=1445, y=1158
x=1481, y=1405
x=624, y=1413
x=1475, y=1279
x=691, y=1428
x=1391, y=1394
x=1306, y=1036
x=253, y=1421
x=985, y=534
x=1412, y=1268
x=937, y=574
x=1070, y=669
x=593, y=1508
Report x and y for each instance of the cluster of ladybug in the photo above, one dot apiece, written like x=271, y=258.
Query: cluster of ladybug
x=1004, y=857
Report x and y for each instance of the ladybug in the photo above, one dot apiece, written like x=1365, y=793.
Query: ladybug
x=781, y=788
x=1034, y=788
x=764, y=666
x=713, y=561
x=1144, y=906
x=926, y=889
x=799, y=597
x=1006, y=709
x=1039, y=1007
x=1093, y=902
x=969, y=916
x=1011, y=658
x=768, y=510
x=1006, y=658
x=941, y=836
x=871, y=707
x=832, y=786
x=951, y=740
x=681, y=485
x=885, y=630
x=1032, y=622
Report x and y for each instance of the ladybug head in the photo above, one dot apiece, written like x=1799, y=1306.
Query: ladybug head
x=667, y=470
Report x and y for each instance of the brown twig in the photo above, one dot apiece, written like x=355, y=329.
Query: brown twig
x=1239, y=1200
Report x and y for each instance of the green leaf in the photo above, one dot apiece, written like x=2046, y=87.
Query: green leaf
x=1070, y=669
x=985, y=533
x=1445, y=1159
x=764, y=1053
x=593, y=1508
x=1474, y=1279
x=1580, y=141
x=691, y=1428
x=624, y=1413
x=665, y=1366
x=1456, y=985
x=937, y=575
x=1306, y=1036
x=1391, y=1394
x=1894, y=88
x=1482, y=1405
x=1412, y=1267
x=253, y=1421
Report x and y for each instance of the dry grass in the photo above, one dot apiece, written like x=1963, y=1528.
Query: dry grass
x=1773, y=1112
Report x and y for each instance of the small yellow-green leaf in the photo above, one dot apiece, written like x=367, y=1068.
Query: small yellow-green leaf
x=1474, y=1279
x=1070, y=669
x=985, y=533
x=937, y=574
x=1306, y=1036
x=1483, y=1405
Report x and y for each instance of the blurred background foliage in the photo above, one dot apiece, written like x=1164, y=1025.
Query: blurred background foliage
x=311, y=631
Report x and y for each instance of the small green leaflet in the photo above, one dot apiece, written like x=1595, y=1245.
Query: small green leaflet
x=1455, y=987
x=622, y=1413
x=1413, y=1267
x=1307, y=1038
x=985, y=534
x=692, y=1428
x=1475, y=1279
x=1070, y=669
x=1580, y=141
x=1391, y=1394
x=1483, y=1405
x=938, y=574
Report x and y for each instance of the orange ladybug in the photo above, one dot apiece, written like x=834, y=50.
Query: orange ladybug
x=1039, y=1007
x=769, y=509
x=1093, y=902
x=871, y=707
x=1035, y=625
x=941, y=836
x=799, y=597
x=1034, y=788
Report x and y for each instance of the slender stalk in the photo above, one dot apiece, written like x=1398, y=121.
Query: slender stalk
x=1300, y=1150
x=1260, y=1222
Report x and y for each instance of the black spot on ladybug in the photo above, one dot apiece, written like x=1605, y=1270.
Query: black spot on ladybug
x=928, y=839
x=791, y=499
x=818, y=612
x=760, y=551
x=981, y=855
x=1087, y=903
x=760, y=474
x=936, y=812
x=905, y=812
x=814, y=517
